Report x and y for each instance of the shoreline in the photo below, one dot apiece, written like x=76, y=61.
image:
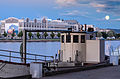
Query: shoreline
x=33, y=40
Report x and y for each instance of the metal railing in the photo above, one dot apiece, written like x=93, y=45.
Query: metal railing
x=29, y=56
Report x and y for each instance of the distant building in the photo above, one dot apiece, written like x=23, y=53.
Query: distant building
x=73, y=24
x=35, y=24
x=14, y=24
x=104, y=30
x=59, y=24
x=10, y=24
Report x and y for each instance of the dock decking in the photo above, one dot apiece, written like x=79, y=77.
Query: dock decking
x=112, y=72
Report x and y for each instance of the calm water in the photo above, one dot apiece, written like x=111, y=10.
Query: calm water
x=45, y=48
x=113, y=44
x=42, y=48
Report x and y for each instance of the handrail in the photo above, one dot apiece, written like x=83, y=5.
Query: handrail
x=35, y=59
x=26, y=53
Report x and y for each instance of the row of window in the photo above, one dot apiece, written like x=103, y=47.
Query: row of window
x=37, y=26
x=75, y=39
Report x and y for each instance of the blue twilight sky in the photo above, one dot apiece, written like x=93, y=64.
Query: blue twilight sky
x=84, y=11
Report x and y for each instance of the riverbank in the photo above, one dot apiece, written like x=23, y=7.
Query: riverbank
x=32, y=40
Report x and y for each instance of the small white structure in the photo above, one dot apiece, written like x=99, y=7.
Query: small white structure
x=78, y=47
x=95, y=51
x=36, y=70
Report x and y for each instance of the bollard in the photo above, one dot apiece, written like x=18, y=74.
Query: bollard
x=36, y=70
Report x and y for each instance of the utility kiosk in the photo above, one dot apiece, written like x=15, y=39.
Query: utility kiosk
x=81, y=47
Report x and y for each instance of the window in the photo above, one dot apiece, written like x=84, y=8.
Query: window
x=82, y=38
x=75, y=39
x=68, y=38
x=90, y=29
x=62, y=39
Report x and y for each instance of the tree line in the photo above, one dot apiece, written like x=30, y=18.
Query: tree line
x=108, y=34
x=45, y=35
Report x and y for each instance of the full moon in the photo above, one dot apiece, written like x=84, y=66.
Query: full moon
x=107, y=17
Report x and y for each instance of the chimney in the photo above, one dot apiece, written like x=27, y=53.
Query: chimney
x=81, y=28
x=85, y=27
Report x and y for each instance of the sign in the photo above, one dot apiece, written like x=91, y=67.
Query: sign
x=10, y=27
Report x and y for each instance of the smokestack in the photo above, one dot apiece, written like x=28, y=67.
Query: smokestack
x=81, y=28
x=85, y=27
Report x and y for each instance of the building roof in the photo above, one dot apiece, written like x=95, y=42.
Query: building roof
x=71, y=21
x=80, y=32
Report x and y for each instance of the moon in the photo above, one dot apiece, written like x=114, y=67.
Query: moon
x=107, y=17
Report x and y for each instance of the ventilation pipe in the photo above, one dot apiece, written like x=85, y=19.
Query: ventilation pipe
x=85, y=27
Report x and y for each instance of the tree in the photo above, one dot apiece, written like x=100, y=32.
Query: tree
x=104, y=35
x=30, y=35
x=58, y=35
x=111, y=33
x=13, y=34
x=38, y=35
x=20, y=34
x=117, y=35
x=99, y=34
x=52, y=35
x=45, y=34
x=5, y=34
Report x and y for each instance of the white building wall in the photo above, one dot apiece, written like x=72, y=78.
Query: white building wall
x=70, y=49
x=95, y=51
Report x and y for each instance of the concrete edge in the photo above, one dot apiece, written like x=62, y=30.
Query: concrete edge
x=77, y=69
x=14, y=63
x=20, y=77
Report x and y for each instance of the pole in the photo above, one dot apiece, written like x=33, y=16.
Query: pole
x=24, y=46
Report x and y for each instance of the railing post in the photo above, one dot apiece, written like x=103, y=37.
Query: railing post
x=45, y=58
x=24, y=46
x=10, y=57
x=35, y=58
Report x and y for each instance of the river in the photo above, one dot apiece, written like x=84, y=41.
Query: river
x=46, y=48
x=41, y=48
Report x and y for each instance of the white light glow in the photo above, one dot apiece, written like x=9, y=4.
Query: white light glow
x=107, y=17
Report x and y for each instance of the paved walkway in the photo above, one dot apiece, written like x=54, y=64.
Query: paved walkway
x=102, y=73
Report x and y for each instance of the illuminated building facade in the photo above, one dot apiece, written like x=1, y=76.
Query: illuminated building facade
x=16, y=25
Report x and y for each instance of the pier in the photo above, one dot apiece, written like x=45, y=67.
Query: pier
x=101, y=73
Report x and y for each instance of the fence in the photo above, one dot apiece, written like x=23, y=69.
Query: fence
x=16, y=55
